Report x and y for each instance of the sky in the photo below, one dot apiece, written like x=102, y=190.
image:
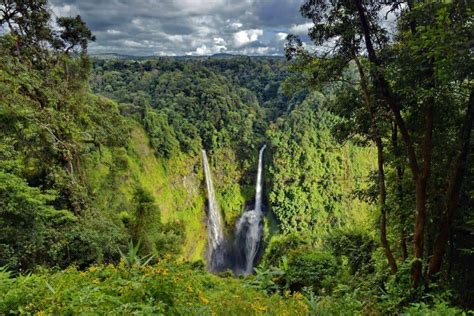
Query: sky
x=187, y=27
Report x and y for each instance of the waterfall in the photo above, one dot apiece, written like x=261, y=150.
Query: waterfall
x=249, y=230
x=258, y=191
x=249, y=226
x=216, y=256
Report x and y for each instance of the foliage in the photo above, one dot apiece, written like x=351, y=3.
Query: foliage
x=64, y=155
x=31, y=226
x=410, y=94
x=355, y=246
x=80, y=175
x=316, y=270
x=281, y=246
x=312, y=178
x=132, y=258
x=165, y=288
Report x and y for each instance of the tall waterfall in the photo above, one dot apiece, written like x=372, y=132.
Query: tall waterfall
x=258, y=191
x=216, y=255
x=249, y=226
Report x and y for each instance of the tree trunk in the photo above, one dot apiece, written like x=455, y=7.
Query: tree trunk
x=381, y=174
x=453, y=190
x=383, y=208
x=421, y=188
x=399, y=170
x=420, y=179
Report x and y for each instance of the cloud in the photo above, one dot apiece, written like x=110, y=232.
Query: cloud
x=197, y=27
x=204, y=50
x=242, y=38
x=64, y=10
x=113, y=32
x=133, y=44
x=301, y=29
x=280, y=36
x=219, y=41
x=235, y=25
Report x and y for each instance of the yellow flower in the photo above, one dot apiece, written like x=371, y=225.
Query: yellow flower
x=93, y=269
x=298, y=296
x=203, y=299
x=259, y=308
x=40, y=313
x=96, y=281
x=122, y=264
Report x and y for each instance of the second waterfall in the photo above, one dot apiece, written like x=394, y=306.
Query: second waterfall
x=249, y=228
x=248, y=233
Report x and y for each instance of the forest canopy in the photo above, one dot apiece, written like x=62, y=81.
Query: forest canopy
x=368, y=173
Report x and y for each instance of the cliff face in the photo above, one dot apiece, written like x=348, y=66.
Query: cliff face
x=175, y=185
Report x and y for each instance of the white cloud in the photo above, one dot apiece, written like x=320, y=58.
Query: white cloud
x=247, y=36
x=64, y=10
x=113, y=32
x=219, y=41
x=203, y=50
x=301, y=29
x=133, y=44
x=174, y=38
x=138, y=23
x=179, y=27
x=235, y=25
x=165, y=53
x=257, y=51
x=280, y=36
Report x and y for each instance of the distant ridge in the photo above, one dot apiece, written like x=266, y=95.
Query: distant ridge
x=115, y=56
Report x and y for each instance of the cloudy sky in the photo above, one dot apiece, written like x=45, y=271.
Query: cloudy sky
x=187, y=27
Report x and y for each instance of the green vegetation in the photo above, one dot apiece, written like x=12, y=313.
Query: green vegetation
x=369, y=173
x=162, y=289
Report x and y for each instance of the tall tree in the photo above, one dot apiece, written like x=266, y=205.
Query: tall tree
x=412, y=78
x=75, y=35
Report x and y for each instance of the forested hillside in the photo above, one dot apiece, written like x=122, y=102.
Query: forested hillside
x=105, y=206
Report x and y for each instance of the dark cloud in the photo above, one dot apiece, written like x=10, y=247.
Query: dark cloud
x=199, y=27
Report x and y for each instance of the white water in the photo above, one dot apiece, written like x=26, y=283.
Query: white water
x=214, y=222
x=258, y=191
x=249, y=226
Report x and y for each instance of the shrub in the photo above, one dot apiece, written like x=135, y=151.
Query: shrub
x=163, y=289
x=356, y=246
x=316, y=270
x=281, y=246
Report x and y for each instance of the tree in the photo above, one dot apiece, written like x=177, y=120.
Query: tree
x=28, y=21
x=412, y=78
x=341, y=26
x=75, y=34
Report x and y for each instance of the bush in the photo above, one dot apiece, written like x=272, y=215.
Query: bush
x=315, y=270
x=163, y=289
x=440, y=308
x=356, y=246
x=282, y=246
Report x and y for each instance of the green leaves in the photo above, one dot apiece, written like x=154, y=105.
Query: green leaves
x=132, y=258
x=30, y=224
x=311, y=189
